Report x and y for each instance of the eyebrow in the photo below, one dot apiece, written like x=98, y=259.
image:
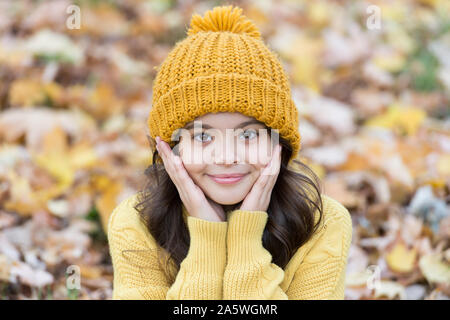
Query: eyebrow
x=206, y=126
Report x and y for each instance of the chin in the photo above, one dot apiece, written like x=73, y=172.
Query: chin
x=226, y=199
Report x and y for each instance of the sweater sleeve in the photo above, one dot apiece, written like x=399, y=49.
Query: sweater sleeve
x=137, y=274
x=249, y=273
x=321, y=275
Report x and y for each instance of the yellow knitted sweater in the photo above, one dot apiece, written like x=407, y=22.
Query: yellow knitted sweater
x=226, y=260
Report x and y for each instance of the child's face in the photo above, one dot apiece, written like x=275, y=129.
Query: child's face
x=224, y=146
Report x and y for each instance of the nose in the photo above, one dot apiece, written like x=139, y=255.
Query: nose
x=225, y=151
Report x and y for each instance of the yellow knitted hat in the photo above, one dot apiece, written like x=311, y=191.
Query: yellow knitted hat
x=222, y=66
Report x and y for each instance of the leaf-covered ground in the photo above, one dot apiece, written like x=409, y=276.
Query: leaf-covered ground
x=375, y=126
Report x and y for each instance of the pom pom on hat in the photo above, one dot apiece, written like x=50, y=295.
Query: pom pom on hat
x=223, y=18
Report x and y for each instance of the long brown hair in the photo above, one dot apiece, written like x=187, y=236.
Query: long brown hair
x=294, y=199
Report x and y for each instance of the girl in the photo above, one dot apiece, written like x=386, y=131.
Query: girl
x=225, y=215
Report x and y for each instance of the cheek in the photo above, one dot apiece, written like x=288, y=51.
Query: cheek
x=192, y=161
x=259, y=154
x=190, y=153
x=195, y=170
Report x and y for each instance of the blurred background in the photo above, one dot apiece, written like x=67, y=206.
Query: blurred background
x=371, y=81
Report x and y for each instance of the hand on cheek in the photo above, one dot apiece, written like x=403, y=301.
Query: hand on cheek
x=191, y=195
x=258, y=198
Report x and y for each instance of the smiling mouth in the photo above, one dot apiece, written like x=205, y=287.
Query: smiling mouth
x=227, y=179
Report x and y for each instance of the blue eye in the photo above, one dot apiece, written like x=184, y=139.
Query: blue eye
x=248, y=135
x=201, y=134
x=252, y=133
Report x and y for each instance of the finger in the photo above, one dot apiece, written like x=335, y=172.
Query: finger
x=162, y=150
x=176, y=175
x=265, y=182
x=262, y=179
x=185, y=180
x=268, y=168
x=267, y=172
x=189, y=192
x=178, y=172
x=276, y=162
x=274, y=169
x=168, y=162
x=168, y=153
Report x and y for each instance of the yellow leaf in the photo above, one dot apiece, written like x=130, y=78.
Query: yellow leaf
x=140, y=157
x=436, y=183
x=106, y=203
x=429, y=2
x=443, y=165
x=319, y=13
x=5, y=267
x=55, y=141
x=103, y=102
x=13, y=57
x=392, y=62
x=82, y=155
x=57, y=163
x=76, y=93
x=51, y=192
x=398, y=38
x=21, y=197
x=400, y=118
x=401, y=259
x=26, y=92
x=434, y=268
x=58, y=166
x=54, y=91
x=306, y=66
x=394, y=11
x=90, y=272
x=100, y=182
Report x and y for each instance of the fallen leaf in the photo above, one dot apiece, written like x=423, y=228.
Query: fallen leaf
x=401, y=259
x=434, y=268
